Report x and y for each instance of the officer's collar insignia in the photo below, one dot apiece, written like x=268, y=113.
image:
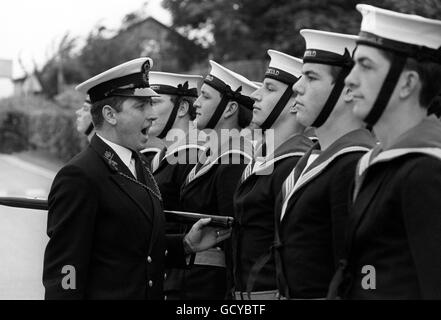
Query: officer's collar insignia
x=108, y=155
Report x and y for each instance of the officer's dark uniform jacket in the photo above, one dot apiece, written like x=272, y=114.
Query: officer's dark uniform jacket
x=395, y=223
x=311, y=214
x=254, y=213
x=170, y=169
x=109, y=227
x=209, y=189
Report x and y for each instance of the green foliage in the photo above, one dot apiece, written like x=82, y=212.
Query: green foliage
x=31, y=102
x=70, y=99
x=104, y=49
x=101, y=53
x=55, y=132
x=241, y=29
x=28, y=123
x=61, y=68
x=13, y=130
x=170, y=51
x=73, y=72
x=426, y=8
x=246, y=29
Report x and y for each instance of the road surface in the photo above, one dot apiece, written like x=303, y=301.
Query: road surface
x=22, y=231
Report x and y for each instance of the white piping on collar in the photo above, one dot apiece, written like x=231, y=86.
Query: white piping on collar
x=305, y=177
x=209, y=164
x=152, y=149
x=388, y=155
x=156, y=161
x=183, y=147
x=262, y=166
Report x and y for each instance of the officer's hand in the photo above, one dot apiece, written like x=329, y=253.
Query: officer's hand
x=202, y=237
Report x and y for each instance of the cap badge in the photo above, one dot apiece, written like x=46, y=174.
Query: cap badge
x=145, y=69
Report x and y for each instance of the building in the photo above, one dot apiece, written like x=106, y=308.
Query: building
x=27, y=85
x=169, y=50
x=6, y=84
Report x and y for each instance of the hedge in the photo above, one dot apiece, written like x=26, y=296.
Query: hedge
x=30, y=123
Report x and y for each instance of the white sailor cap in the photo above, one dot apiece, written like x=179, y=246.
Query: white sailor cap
x=283, y=67
x=257, y=83
x=220, y=77
x=130, y=79
x=175, y=84
x=328, y=47
x=410, y=34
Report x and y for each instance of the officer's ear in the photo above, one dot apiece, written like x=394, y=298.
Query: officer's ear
x=183, y=108
x=231, y=109
x=109, y=115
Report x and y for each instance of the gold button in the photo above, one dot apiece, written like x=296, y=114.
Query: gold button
x=166, y=252
x=149, y=259
x=150, y=283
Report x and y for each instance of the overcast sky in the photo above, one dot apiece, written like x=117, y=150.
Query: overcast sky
x=28, y=28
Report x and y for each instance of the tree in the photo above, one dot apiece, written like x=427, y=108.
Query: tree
x=245, y=29
x=67, y=65
x=100, y=52
x=61, y=68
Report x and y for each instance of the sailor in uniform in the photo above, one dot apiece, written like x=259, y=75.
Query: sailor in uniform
x=175, y=114
x=312, y=208
x=253, y=236
x=105, y=220
x=222, y=109
x=394, y=241
x=84, y=120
